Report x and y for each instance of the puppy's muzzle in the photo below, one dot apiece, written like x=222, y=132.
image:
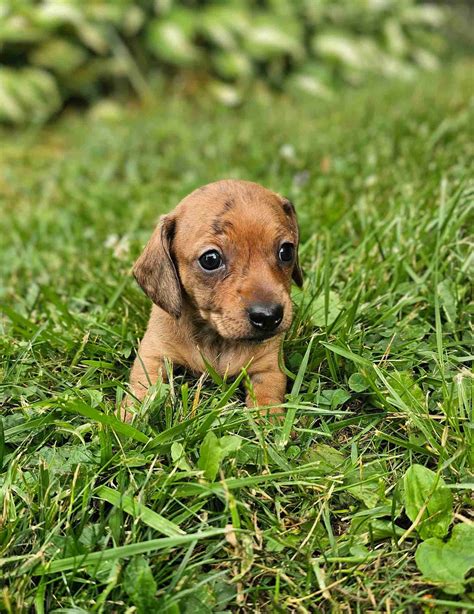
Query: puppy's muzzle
x=265, y=317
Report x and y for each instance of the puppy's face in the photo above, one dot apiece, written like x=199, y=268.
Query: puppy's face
x=229, y=251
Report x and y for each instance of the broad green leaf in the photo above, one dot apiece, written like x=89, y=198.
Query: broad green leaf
x=210, y=456
x=229, y=444
x=335, y=398
x=59, y=55
x=339, y=46
x=426, y=59
x=447, y=563
x=318, y=309
x=171, y=40
x=214, y=450
x=226, y=94
x=62, y=459
x=309, y=83
x=140, y=585
x=106, y=110
x=329, y=458
x=395, y=37
x=268, y=38
x=367, y=530
x=429, y=14
x=220, y=22
x=94, y=36
x=422, y=487
x=232, y=65
x=367, y=483
x=407, y=389
x=15, y=31
x=213, y=595
x=133, y=19
x=51, y=15
x=28, y=94
x=215, y=28
x=178, y=455
x=358, y=383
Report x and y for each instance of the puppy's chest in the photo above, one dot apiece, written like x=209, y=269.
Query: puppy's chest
x=234, y=363
x=224, y=358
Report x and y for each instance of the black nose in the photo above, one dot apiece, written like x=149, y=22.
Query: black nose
x=265, y=316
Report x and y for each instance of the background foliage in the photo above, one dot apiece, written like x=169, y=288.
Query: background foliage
x=53, y=52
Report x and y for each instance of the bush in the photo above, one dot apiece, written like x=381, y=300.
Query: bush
x=53, y=52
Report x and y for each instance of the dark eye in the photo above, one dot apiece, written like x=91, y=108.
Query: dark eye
x=286, y=252
x=211, y=260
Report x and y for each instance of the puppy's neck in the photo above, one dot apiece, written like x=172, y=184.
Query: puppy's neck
x=204, y=336
x=202, y=333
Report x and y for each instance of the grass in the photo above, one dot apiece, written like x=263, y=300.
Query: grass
x=97, y=515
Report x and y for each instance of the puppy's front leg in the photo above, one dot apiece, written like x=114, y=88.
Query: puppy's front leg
x=147, y=369
x=269, y=388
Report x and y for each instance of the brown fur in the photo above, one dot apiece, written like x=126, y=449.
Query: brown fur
x=198, y=314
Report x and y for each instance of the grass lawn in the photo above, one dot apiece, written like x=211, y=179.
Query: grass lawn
x=97, y=515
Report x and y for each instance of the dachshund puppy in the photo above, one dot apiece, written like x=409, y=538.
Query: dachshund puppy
x=218, y=269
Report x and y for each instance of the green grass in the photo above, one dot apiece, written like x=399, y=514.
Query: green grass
x=382, y=182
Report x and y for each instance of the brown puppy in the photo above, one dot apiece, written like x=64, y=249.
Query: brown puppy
x=218, y=269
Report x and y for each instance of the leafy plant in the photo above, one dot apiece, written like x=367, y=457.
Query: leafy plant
x=140, y=585
x=52, y=52
x=214, y=450
x=447, y=563
x=429, y=505
x=428, y=502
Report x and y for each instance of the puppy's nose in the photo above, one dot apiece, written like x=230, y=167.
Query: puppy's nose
x=265, y=316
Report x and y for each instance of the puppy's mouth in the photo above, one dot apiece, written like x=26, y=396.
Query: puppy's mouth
x=260, y=337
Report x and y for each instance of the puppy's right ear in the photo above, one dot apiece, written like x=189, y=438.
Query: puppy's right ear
x=290, y=210
x=156, y=272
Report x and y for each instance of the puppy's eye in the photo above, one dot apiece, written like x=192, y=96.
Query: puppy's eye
x=211, y=260
x=286, y=252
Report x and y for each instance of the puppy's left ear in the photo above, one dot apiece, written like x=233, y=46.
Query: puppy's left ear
x=290, y=211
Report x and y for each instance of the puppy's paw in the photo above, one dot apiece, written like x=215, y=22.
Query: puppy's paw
x=126, y=415
x=275, y=415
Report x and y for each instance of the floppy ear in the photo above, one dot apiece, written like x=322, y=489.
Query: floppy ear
x=156, y=272
x=290, y=210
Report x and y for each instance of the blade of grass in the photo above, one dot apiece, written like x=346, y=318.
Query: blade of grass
x=346, y=354
x=77, y=407
x=295, y=390
x=120, y=552
x=139, y=511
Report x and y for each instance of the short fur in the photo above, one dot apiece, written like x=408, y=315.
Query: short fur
x=196, y=313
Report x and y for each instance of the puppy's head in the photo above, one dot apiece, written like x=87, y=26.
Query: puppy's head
x=228, y=253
